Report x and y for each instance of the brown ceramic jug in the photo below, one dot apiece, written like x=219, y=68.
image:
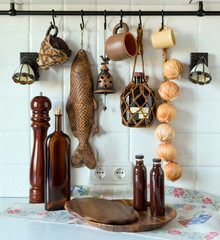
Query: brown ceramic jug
x=121, y=45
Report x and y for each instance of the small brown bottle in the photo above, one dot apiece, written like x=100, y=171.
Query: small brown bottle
x=140, y=185
x=57, y=174
x=157, y=201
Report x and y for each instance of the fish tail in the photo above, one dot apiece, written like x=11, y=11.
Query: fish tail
x=83, y=154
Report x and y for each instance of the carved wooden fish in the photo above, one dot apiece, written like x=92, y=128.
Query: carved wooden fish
x=80, y=109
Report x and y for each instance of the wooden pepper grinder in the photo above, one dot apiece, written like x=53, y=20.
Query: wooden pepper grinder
x=40, y=106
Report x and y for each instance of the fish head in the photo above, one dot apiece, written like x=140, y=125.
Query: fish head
x=80, y=63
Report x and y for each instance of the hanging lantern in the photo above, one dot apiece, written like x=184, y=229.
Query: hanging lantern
x=27, y=72
x=104, y=81
x=200, y=73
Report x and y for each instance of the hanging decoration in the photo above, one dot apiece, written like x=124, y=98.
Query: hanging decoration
x=138, y=100
x=27, y=71
x=104, y=80
x=53, y=51
x=80, y=108
x=199, y=72
x=166, y=112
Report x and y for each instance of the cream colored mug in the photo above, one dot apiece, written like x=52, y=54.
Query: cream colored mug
x=163, y=38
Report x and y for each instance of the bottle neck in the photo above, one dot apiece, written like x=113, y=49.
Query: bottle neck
x=138, y=79
x=139, y=162
x=156, y=165
x=58, y=123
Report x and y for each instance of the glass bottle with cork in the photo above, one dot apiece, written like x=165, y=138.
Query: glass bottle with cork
x=157, y=198
x=57, y=175
x=140, y=184
x=138, y=100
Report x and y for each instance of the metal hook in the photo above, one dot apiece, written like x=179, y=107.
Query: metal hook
x=121, y=19
x=105, y=15
x=53, y=18
x=140, y=23
x=82, y=24
x=162, y=23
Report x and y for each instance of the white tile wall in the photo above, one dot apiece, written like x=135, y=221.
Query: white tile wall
x=197, y=123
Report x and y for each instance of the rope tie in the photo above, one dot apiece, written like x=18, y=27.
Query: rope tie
x=164, y=60
x=140, y=51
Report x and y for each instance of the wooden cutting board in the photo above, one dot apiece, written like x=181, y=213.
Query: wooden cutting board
x=145, y=221
x=102, y=210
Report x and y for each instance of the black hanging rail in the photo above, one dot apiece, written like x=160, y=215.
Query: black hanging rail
x=200, y=13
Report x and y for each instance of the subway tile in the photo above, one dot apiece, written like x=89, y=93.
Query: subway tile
x=188, y=179
x=112, y=21
x=113, y=147
x=43, y=23
x=72, y=23
x=150, y=24
x=143, y=143
x=89, y=45
x=187, y=89
x=56, y=104
x=207, y=150
x=110, y=120
x=185, y=120
x=15, y=42
x=50, y=83
x=208, y=25
x=208, y=116
x=186, y=149
x=14, y=90
x=182, y=50
x=209, y=43
x=14, y=148
x=17, y=117
x=80, y=176
x=14, y=180
x=208, y=179
x=12, y=24
x=176, y=22
x=211, y=90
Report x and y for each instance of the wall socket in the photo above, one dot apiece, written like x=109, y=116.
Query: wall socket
x=100, y=173
x=120, y=173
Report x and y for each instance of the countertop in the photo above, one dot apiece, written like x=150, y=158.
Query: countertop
x=14, y=229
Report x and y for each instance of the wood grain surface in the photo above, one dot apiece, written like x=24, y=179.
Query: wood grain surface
x=102, y=210
x=145, y=221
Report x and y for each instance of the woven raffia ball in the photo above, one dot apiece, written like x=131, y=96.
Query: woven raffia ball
x=128, y=101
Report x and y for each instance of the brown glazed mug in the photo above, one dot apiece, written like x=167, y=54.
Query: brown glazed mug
x=121, y=45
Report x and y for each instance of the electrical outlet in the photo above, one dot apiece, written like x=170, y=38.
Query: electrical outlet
x=100, y=175
x=121, y=173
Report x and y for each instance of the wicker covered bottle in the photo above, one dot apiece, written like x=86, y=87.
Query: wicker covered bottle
x=57, y=182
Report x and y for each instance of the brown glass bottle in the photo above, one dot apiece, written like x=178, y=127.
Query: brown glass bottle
x=157, y=201
x=57, y=174
x=140, y=185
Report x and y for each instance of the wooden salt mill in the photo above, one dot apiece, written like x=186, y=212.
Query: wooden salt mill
x=40, y=106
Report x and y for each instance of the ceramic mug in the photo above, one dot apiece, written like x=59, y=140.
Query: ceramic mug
x=163, y=38
x=121, y=45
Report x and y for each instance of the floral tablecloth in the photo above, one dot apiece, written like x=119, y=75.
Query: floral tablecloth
x=198, y=214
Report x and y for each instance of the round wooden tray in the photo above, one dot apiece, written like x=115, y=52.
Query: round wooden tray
x=145, y=222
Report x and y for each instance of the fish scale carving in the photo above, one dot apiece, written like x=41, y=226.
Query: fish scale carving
x=80, y=109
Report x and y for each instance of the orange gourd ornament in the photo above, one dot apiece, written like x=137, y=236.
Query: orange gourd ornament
x=166, y=112
x=172, y=69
